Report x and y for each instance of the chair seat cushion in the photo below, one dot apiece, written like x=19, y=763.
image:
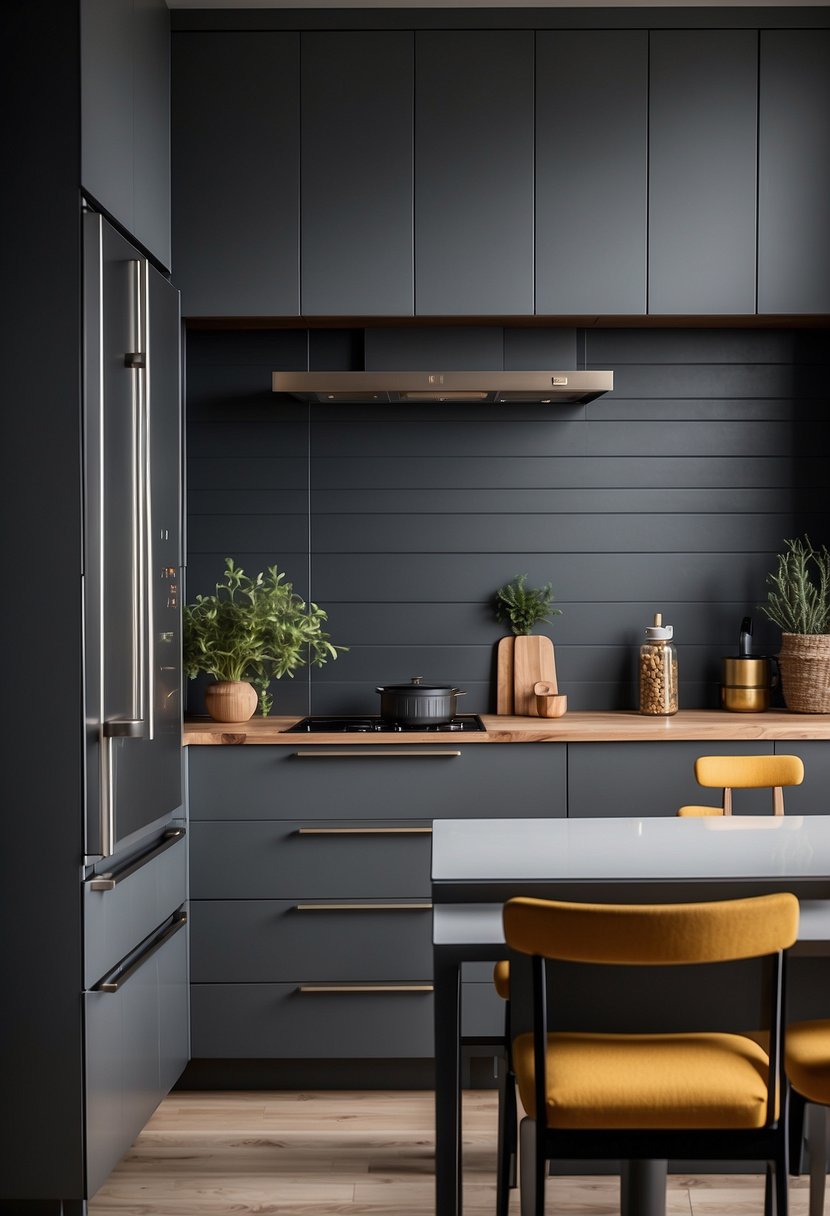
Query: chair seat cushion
x=808, y=1059
x=698, y=1080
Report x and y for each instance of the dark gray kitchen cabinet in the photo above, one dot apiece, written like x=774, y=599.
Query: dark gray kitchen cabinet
x=702, y=171
x=812, y=797
x=644, y=779
x=125, y=116
x=310, y=890
x=474, y=173
x=357, y=141
x=591, y=171
x=794, y=172
x=236, y=156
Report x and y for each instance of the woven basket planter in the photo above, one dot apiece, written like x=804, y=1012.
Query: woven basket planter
x=805, y=672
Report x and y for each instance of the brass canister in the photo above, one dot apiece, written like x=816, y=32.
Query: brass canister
x=747, y=685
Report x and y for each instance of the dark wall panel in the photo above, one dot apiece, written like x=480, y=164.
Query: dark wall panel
x=672, y=494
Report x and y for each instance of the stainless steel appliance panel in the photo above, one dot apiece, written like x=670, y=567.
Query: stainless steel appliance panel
x=132, y=558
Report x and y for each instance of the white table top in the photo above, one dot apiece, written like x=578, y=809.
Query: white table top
x=637, y=850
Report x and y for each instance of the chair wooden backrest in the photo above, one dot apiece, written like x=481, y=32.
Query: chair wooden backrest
x=745, y=772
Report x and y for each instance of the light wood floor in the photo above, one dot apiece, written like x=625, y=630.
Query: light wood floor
x=352, y=1154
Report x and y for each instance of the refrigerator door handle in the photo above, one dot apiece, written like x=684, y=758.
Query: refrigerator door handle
x=140, y=724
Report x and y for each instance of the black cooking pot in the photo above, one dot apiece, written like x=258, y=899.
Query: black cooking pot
x=417, y=704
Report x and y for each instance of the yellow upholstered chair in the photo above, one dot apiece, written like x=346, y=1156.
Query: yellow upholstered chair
x=807, y=1063
x=691, y=1095
x=745, y=772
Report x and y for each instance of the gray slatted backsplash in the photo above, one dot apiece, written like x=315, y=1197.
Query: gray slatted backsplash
x=671, y=494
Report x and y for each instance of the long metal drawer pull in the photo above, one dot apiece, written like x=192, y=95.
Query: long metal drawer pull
x=107, y=882
x=364, y=831
x=118, y=981
x=356, y=907
x=370, y=988
x=374, y=753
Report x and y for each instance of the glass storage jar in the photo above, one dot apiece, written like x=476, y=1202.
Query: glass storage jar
x=658, y=670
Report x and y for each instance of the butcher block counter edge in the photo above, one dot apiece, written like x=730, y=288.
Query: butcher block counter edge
x=579, y=727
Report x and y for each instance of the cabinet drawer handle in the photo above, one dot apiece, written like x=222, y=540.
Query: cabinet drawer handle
x=320, y=753
x=355, y=907
x=107, y=882
x=364, y=831
x=117, y=979
x=370, y=988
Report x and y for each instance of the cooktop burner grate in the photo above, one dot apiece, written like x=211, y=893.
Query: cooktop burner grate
x=464, y=723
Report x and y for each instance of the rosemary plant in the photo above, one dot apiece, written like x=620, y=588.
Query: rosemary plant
x=524, y=606
x=254, y=629
x=799, y=599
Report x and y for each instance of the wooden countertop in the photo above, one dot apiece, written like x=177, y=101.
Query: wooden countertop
x=578, y=727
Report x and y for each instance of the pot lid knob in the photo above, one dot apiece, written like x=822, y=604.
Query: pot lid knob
x=417, y=680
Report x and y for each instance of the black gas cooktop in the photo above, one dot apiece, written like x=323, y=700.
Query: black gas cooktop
x=463, y=724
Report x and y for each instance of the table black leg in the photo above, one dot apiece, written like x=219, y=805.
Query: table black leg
x=643, y=1188
x=448, y=1171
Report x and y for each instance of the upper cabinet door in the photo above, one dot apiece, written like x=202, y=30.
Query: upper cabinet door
x=125, y=109
x=357, y=113
x=702, y=171
x=474, y=173
x=794, y=172
x=236, y=159
x=107, y=105
x=591, y=171
x=151, y=127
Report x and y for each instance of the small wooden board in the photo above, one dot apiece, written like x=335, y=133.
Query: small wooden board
x=504, y=676
x=532, y=661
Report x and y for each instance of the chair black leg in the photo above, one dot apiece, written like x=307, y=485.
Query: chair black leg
x=541, y=1167
x=512, y=1127
x=506, y=1163
x=782, y=1182
x=796, y=1117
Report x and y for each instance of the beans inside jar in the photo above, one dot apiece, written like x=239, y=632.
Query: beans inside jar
x=658, y=679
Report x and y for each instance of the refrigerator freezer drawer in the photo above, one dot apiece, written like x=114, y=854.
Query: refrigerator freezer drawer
x=136, y=1048
x=126, y=904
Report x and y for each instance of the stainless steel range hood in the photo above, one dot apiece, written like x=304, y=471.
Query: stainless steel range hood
x=542, y=388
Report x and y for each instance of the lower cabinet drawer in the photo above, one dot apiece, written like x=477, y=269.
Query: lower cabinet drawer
x=258, y=859
x=136, y=1039
x=279, y=1021
x=257, y=941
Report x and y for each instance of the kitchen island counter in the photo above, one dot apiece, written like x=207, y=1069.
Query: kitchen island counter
x=578, y=727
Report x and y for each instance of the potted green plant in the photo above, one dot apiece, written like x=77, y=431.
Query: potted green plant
x=523, y=661
x=252, y=631
x=799, y=603
x=524, y=606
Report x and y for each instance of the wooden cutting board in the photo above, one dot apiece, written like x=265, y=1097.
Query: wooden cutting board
x=532, y=661
x=504, y=676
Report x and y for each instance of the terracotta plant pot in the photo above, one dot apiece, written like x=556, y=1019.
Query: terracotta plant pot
x=231, y=700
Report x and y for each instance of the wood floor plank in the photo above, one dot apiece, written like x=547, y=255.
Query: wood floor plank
x=367, y=1153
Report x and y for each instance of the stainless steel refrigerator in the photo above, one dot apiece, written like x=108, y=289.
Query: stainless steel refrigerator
x=132, y=560
x=136, y=1023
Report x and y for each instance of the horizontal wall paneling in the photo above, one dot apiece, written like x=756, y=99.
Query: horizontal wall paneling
x=672, y=494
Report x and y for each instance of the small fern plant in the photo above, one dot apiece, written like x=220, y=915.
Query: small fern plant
x=799, y=597
x=255, y=629
x=524, y=606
